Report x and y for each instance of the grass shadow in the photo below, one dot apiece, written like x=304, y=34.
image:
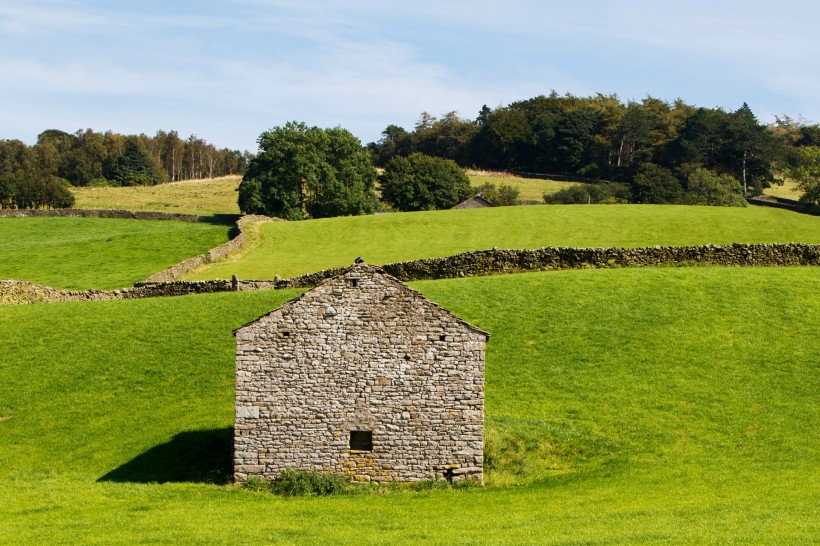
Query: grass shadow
x=220, y=219
x=201, y=456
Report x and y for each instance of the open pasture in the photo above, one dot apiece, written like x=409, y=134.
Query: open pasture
x=203, y=197
x=530, y=189
x=294, y=248
x=673, y=405
x=102, y=253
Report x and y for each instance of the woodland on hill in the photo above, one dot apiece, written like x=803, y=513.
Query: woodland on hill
x=604, y=138
x=39, y=175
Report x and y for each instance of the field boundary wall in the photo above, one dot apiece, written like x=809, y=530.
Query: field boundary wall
x=467, y=264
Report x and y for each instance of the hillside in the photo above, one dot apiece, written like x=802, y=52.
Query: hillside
x=203, y=197
x=293, y=248
x=81, y=253
x=629, y=406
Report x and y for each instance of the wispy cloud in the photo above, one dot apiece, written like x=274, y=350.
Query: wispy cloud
x=235, y=66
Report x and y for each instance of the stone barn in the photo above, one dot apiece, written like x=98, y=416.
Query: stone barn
x=362, y=376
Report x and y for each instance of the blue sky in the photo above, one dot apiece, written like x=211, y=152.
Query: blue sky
x=228, y=70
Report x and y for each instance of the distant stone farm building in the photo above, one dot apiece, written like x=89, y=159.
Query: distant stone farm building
x=362, y=376
x=477, y=202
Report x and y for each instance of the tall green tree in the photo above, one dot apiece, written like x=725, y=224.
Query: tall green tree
x=135, y=167
x=306, y=172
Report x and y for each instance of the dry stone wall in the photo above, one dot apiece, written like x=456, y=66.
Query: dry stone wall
x=101, y=213
x=23, y=292
x=488, y=262
x=214, y=254
x=480, y=262
x=360, y=376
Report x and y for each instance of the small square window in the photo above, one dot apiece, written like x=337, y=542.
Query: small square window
x=353, y=282
x=361, y=440
x=442, y=337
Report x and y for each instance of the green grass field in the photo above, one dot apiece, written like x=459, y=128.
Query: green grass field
x=674, y=405
x=530, y=189
x=81, y=253
x=203, y=197
x=293, y=248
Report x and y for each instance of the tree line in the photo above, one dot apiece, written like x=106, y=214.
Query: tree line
x=40, y=175
x=604, y=138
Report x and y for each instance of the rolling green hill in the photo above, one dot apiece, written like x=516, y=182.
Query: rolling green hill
x=293, y=248
x=669, y=405
x=82, y=253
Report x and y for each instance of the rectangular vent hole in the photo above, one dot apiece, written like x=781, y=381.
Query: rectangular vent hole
x=361, y=440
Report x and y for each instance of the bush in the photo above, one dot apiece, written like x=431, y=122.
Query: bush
x=656, y=185
x=705, y=187
x=500, y=196
x=583, y=194
x=302, y=483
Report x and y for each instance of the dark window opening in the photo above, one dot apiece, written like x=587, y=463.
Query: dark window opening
x=442, y=337
x=285, y=334
x=354, y=282
x=361, y=440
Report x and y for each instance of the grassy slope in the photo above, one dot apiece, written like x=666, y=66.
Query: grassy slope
x=203, y=197
x=301, y=247
x=688, y=418
x=788, y=189
x=530, y=189
x=82, y=253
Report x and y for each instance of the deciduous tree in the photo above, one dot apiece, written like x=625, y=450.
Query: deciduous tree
x=307, y=172
x=423, y=182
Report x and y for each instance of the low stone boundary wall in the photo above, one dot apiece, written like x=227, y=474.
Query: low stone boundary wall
x=488, y=262
x=476, y=263
x=212, y=255
x=783, y=203
x=101, y=213
x=21, y=292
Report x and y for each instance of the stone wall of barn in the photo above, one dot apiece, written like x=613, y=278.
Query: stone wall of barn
x=360, y=358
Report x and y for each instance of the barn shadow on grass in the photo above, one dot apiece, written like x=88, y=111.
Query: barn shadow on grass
x=201, y=456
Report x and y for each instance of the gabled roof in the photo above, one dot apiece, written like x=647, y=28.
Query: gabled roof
x=476, y=202
x=361, y=269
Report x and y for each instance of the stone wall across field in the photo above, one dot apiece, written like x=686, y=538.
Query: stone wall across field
x=467, y=264
x=488, y=262
x=20, y=292
x=103, y=213
x=175, y=271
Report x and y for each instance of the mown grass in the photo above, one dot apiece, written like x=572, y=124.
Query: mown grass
x=293, y=248
x=202, y=197
x=530, y=189
x=623, y=406
x=81, y=253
